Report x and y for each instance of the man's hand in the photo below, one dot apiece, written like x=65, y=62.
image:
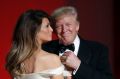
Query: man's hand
x=71, y=60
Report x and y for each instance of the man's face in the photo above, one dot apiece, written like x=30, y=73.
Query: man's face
x=67, y=28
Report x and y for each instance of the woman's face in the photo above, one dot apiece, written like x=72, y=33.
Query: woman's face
x=45, y=32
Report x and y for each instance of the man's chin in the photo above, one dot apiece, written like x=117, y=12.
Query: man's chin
x=66, y=42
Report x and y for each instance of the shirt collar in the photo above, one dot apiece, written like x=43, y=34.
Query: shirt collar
x=76, y=44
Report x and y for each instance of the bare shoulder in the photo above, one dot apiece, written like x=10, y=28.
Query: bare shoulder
x=55, y=59
x=48, y=60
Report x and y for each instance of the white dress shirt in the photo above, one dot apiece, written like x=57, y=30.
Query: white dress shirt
x=76, y=43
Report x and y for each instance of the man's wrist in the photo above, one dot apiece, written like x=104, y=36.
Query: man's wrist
x=74, y=72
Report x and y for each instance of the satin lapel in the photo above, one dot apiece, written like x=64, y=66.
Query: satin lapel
x=84, y=52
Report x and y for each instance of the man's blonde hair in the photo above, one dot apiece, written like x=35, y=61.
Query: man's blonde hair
x=66, y=10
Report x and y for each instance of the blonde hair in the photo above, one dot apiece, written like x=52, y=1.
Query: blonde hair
x=66, y=10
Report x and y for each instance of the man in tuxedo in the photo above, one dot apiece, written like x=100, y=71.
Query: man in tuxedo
x=87, y=59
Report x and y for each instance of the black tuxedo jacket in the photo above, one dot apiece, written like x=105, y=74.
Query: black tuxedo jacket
x=93, y=56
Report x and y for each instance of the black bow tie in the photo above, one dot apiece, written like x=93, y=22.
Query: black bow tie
x=64, y=47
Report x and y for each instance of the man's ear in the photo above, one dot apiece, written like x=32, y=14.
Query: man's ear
x=78, y=26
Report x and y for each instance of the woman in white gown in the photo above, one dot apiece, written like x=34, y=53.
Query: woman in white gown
x=27, y=59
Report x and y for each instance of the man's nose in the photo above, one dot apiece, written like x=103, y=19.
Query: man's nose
x=64, y=28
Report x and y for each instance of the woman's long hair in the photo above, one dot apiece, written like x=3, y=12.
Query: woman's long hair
x=24, y=42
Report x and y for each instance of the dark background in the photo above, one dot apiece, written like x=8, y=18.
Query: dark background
x=99, y=21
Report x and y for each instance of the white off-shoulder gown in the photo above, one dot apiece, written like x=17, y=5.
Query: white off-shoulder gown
x=46, y=74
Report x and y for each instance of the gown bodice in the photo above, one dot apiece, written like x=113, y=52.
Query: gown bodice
x=46, y=74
